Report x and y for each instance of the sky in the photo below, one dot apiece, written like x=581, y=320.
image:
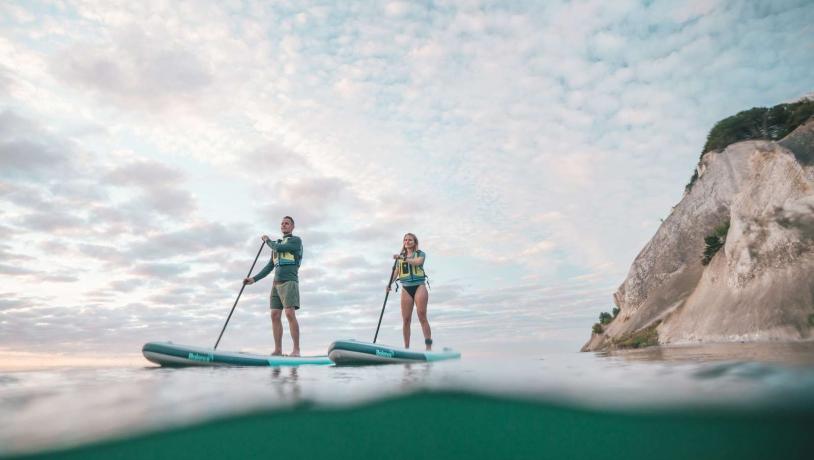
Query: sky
x=533, y=147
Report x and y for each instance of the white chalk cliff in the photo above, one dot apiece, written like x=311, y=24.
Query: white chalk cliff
x=760, y=285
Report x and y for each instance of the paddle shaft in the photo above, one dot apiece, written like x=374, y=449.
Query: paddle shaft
x=239, y=293
x=386, y=294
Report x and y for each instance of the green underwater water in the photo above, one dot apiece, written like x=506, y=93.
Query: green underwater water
x=453, y=424
x=737, y=401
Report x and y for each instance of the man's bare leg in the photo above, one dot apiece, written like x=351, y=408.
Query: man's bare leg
x=294, y=327
x=277, y=331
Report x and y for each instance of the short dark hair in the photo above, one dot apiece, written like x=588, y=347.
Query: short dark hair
x=290, y=218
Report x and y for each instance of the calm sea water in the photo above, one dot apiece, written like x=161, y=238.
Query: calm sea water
x=730, y=401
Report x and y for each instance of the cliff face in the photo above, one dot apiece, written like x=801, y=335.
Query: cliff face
x=760, y=285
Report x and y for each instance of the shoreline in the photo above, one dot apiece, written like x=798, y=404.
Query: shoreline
x=793, y=353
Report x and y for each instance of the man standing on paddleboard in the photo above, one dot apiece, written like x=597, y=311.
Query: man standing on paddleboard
x=286, y=256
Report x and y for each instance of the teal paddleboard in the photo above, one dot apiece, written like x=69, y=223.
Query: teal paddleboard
x=354, y=353
x=174, y=355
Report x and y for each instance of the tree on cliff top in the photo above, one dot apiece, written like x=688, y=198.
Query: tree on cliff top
x=757, y=123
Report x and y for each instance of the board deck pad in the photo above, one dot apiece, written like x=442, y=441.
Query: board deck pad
x=175, y=355
x=353, y=352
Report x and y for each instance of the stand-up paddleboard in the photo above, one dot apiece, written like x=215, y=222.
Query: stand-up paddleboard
x=173, y=355
x=353, y=352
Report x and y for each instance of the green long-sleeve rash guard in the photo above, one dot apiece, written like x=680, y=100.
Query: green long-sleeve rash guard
x=284, y=272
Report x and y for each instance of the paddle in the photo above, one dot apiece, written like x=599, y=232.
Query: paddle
x=386, y=294
x=238, y=294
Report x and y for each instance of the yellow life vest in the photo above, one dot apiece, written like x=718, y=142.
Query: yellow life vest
x=285, y=258
x=411, y=273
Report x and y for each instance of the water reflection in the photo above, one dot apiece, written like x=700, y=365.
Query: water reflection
x=795, y=353
x=285, y=383
x=415, y=375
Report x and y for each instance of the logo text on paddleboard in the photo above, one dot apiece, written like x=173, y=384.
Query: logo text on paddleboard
x=385, y=353
x=199, y=357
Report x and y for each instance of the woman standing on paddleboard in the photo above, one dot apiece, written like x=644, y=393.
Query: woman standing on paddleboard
x=410, y=273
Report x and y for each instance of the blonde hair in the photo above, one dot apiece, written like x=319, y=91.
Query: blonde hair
x=403, y=248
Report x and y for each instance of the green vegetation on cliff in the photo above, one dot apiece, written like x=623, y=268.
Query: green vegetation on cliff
x=641, y=338
x=605, y=318
x=715, y=242
x=757, y=123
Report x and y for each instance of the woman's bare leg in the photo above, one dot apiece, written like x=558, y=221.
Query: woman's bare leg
x=406, y=316
x=421, y=299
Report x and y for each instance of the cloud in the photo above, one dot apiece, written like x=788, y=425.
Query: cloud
x=27, y=197
x=142, y=174
x=135, y=70
x=102, y=252
x=159, y=186
x=8, y=255
x=58, y=278
x=194, y=240
x=316, y=190
x=169, y=201
x=14, y=271
x=53, y=222
x=127, y=285
x=273, y=160
x=159, y=269
x=311, y=200
x=82, y=191
x=63, y=194
x=538, y=248
x=27, y=152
